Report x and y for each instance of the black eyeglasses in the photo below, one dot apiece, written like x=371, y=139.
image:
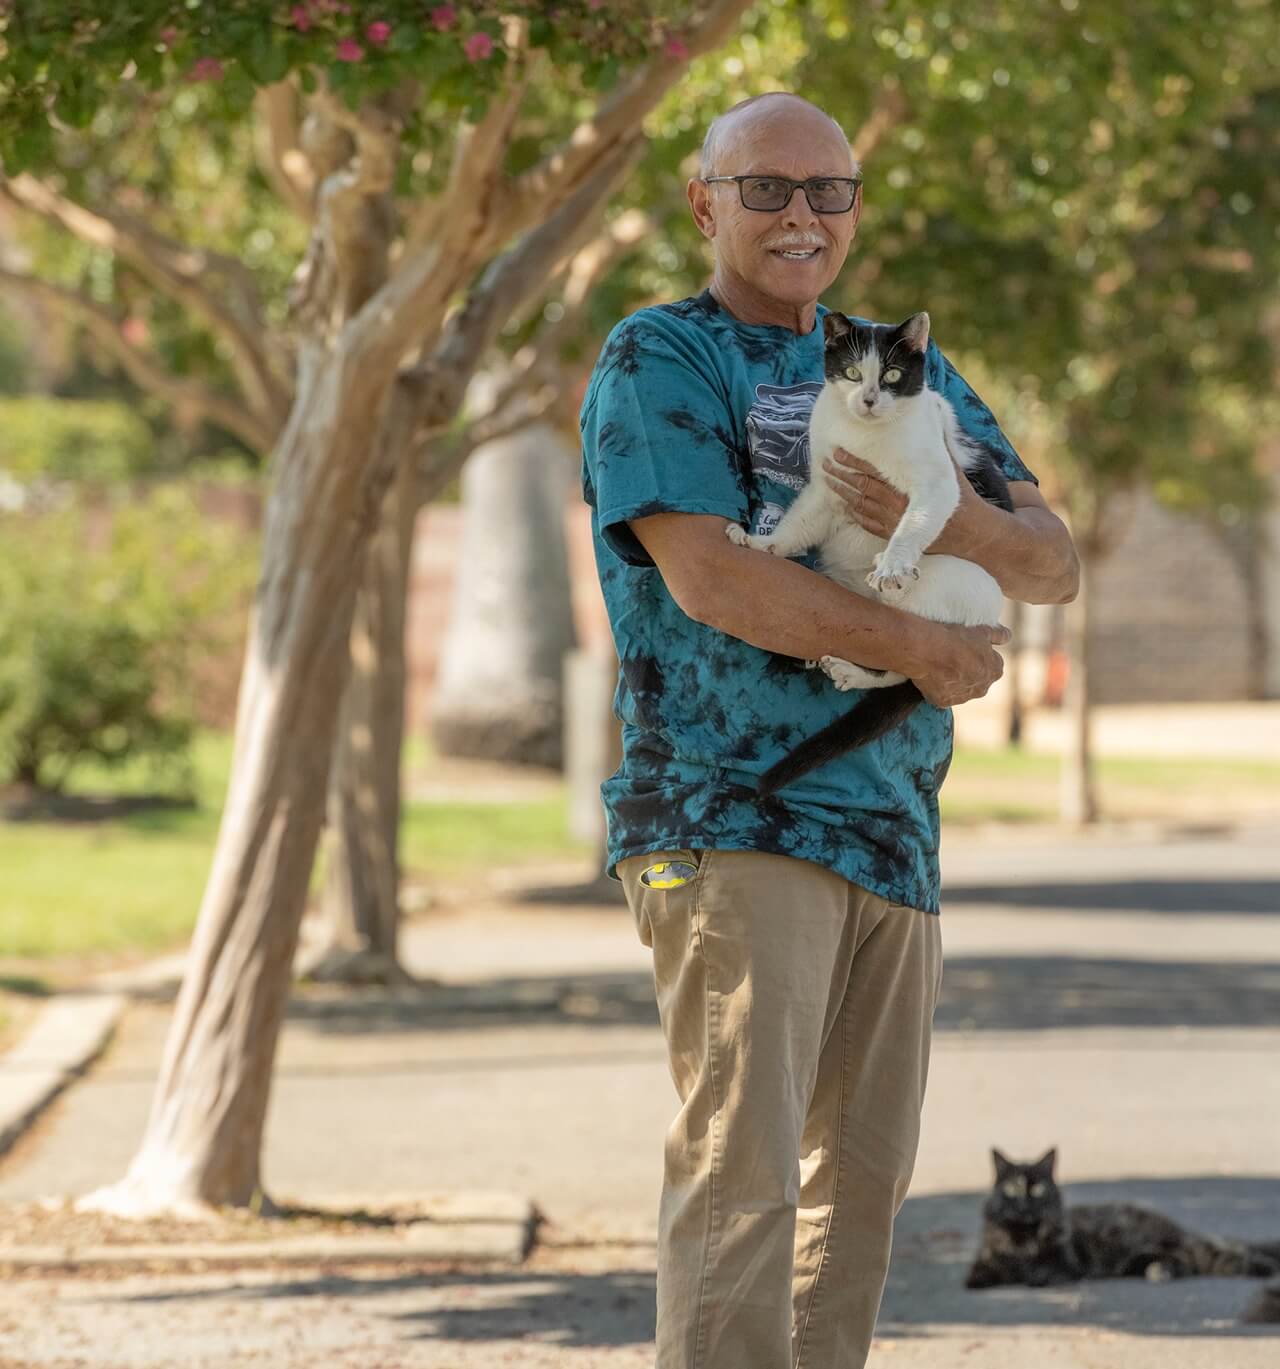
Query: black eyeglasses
x=825, y=194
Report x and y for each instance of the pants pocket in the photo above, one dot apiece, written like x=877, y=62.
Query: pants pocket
x=652, y=880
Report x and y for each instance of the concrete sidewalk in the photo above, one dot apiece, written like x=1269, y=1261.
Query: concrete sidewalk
x=1117, y=998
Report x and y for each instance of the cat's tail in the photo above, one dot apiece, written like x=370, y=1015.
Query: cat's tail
x=871, y=717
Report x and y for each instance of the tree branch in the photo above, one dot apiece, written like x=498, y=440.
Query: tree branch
x=189, y=397
x=278, y=144
x=409, y=309
x=181, y=272
x=537, y=363
x=440, y=380
x=475, y=174
x=618, y=119
x=353, y=154
x=888, y=111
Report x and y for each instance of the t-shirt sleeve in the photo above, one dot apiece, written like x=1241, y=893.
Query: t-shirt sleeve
x=973, y=415
x=657, y=436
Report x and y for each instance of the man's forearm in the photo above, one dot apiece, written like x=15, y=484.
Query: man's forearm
x=1028, y=552
x=782, y=606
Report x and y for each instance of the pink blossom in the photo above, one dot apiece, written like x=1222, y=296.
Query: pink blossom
x=444, y=17
x=378, y=32
x=205, y=69
x=349, y=50
x=134, y=330
x=595, y=4
x=478, y=46
x=676, y=48
x=169, y=36
x=301, y=17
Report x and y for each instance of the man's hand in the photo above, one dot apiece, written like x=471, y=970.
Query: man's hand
x=879, y=507
x=962, y=664
x=1028, y=551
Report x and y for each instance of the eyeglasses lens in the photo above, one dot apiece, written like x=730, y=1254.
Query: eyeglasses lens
x=824, y=196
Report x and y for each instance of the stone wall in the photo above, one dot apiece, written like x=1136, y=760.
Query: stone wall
x=1168, y=621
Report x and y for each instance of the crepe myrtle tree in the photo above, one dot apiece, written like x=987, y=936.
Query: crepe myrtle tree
x=447, y=158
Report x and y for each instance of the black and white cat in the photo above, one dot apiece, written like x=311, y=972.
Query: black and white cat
x=876, y=405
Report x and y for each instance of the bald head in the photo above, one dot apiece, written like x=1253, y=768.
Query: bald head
x=749, y=117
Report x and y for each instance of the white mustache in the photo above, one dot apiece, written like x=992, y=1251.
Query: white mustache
x=794, y=243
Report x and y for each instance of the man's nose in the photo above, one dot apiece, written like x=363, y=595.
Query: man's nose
x=797, y=213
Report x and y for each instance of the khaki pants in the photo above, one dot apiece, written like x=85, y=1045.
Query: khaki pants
x=797, y=1010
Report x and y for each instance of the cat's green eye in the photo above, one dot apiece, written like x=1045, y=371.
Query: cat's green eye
x=1037, y=1190
x=853, y=373
x=892, y=376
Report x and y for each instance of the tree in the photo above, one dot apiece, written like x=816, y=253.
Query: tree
x=412, y=265
x=1081, y=196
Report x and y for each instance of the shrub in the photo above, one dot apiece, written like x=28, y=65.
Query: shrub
x=73, y=439
x=106, y=616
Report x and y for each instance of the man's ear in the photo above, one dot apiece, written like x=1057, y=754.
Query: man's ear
x=699, y=193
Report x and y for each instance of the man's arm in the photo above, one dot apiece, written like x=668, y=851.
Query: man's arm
x=1029, y=552
x=782, y=606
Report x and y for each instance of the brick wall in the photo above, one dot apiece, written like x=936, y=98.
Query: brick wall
x=1168, y=621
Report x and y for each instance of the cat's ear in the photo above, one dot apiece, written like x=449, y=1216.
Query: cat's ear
x=1002, y=1163
x=1046, y=1162
x=835, y=327
x=915, y=331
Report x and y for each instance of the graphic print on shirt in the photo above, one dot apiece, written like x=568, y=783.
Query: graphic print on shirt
x=778, y=443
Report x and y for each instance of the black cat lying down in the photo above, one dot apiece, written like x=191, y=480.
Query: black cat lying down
x=1029, y=1236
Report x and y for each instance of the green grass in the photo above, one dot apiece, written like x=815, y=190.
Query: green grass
x=1016, y=786
x=134, y=883
x=451, y=838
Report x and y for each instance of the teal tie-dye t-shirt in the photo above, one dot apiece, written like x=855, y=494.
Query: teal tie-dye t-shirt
x=690, y=411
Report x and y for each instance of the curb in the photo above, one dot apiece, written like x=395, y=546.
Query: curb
x=480, y=1227
x=65, y=1038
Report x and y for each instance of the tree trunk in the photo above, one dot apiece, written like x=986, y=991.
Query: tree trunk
x=359, y=917
x=203, y=1139
x=499, y=694
x=1259, y=626
x=1078, y=800
x=1013, y=675
x=1245, y=542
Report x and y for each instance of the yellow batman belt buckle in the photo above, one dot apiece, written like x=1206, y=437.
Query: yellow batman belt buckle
x=668, y=874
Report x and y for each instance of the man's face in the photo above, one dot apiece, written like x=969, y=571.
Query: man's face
x=789, y=140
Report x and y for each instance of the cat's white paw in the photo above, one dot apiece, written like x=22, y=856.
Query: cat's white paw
x=740, y=537
x=892, y=573
x=1158, y=1272
x=840, y=673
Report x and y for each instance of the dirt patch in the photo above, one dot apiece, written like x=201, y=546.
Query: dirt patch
x=57, y=1223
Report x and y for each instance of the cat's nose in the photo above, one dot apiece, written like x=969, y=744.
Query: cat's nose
x=869, y=400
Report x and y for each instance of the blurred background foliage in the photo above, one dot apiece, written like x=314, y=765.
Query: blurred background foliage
x=112, y=610
x=1082, y=195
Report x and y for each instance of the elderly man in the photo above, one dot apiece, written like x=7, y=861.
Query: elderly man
x=795, y=940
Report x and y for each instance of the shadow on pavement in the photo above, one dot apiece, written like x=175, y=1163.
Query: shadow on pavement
x=1036, y=993
x=979, y=993
x=937, y=1235
x=1127, y=895
x=934, y=1244
x=613, y=1308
